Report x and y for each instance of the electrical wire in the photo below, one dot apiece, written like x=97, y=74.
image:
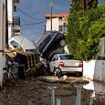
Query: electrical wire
x=28, y=14
x=33, y=23
x=28, y=26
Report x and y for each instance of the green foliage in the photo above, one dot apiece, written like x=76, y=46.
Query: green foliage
x=82, y=5
x=84, y=32
x=92, y=3
x=75, y=5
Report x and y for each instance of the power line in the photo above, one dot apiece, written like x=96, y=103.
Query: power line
x=32, y=23
x=28, y=15
x=28, y=26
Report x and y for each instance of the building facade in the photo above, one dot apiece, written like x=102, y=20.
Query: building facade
x=13, y=20
x=2, y=37
x=58, y=22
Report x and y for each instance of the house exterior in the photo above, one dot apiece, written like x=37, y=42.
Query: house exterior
x=58, y=22
x=2, y=37
x=13, y=20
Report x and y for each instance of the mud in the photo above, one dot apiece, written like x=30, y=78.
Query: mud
x=34, y=91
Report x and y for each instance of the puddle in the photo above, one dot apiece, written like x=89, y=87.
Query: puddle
x=93, y=89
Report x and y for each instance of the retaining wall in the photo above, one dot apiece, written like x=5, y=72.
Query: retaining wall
x=94, y=70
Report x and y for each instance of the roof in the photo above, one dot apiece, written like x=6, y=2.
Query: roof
x=56, y=15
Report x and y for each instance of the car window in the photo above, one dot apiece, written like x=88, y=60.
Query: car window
x=66, y=57
x=44, y=43
x=16, y=45
x=55, y=58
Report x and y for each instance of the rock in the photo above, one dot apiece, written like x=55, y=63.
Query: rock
x=65, y=77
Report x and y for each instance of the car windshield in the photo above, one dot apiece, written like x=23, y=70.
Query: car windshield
x=66, y=57
x=16, y=45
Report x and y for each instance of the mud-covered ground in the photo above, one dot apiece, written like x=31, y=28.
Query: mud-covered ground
x=38, y=91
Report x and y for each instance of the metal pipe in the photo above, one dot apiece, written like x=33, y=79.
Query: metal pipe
x=58, y=101
x=52, y=88
x=78, y=96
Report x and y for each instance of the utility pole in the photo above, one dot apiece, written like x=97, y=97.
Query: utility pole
x=51, y=7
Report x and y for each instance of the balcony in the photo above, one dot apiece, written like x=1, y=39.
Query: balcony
x=16, y=25
x=16, y=21
x=16, y=1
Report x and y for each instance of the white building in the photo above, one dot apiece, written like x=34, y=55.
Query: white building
x=58, y=22
x=13, y=21
x=2, y=37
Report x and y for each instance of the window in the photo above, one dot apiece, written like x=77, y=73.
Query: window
x=60, y=18
x=55, y=58
x=60, y=28
x=44, y=43
x=66, y=57
x=17, y=1
x=16, y=20
x=15, y=9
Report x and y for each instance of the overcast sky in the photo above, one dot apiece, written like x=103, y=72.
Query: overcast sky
x=33, y=11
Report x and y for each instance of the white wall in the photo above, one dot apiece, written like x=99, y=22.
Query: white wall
x=55, y=24
x=10, y=17
x=94, y=70
x=10, y=10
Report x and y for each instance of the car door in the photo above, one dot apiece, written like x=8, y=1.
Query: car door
x=53, y=63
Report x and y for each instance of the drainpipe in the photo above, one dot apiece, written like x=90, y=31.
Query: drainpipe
x=6, y=37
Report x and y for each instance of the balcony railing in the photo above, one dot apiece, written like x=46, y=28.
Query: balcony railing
x=16, y=21
x=16, y=25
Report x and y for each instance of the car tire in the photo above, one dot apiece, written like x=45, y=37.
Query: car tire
x=57, y=72
x=79, y=74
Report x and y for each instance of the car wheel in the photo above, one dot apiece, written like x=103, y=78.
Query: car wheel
x=57, y=72
x=79, y=74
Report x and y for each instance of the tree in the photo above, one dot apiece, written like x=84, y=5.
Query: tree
x=84, y=4
x=84, y=31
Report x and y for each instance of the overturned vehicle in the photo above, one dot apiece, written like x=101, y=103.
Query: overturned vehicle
x=49, y=43
x=25, y=57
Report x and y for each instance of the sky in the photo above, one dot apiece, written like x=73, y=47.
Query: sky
x=33, y=11
x=32, y=15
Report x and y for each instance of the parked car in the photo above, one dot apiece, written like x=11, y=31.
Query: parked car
x=64, y=63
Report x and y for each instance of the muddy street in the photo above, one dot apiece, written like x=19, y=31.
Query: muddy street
x=42, y=91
